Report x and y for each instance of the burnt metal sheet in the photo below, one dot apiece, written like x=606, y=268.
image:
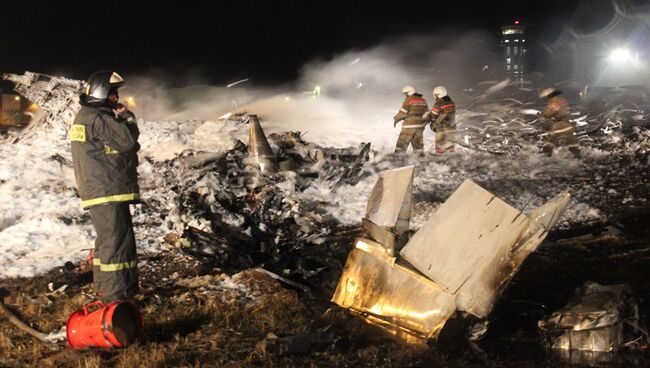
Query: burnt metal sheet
x=470, y=227
x=475, y=242
x=586, y=358
x=389, y=204
x=479, y=294
x=373, y=284
x=593, y=320
x=386, y=238
x=259, y=149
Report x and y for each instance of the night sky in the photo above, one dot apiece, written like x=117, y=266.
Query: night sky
x=221, y=41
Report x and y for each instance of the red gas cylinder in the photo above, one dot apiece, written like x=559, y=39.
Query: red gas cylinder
x=115, y=325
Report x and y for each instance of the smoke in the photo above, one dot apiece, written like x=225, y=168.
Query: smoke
x=342, y=101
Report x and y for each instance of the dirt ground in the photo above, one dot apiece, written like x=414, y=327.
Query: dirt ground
x=190, y=323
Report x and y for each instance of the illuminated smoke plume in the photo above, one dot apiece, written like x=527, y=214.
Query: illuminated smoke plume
x=342, y=101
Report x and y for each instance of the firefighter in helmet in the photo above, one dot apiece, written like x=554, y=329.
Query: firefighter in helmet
x=443, y=115
x=557, y=117
x=104, y=143
x=413, y=113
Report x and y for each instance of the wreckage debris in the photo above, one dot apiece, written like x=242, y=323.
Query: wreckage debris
x=259, y=149
x=237, y=216
x=461, y=259
x=475, y=242
x=389, y=208
x=597, y=321
x=387, y=292
x=56, y=98
x=295, y=344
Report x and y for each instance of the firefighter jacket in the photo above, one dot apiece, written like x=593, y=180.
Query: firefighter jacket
x=557, y=109
x=443, y=114
x=104, y=154
x=414, y=112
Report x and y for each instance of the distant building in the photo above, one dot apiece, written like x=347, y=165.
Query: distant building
x=513, y=40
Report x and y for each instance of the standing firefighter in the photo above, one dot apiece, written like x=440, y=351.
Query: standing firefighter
x=104, y=140
x=414, y=112
x=557, y=116
x=443, y=114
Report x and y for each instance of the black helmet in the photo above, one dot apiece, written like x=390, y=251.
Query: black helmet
x=100, y=84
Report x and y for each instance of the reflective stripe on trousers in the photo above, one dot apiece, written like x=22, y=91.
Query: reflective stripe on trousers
x=410, y=136
x=563, y=130
x=114, y=266
x=115, y=270
x=108, y=199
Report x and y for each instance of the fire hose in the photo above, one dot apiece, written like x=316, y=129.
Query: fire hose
x=42, y=337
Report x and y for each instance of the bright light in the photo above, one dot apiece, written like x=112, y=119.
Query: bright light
x=516, y=22
x=17, y=98
x=316, y=92
x=130, y=102
x=620, y=56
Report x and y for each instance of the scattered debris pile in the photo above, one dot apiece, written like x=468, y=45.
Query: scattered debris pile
x=461, y=259
x=56, y=98
x=239, y=208
x=596, y=322
x=505, y=119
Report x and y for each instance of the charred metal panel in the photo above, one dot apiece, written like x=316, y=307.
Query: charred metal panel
x=475, y=242
x=593, y=320
x=373, y=284
x=386, y=238
x=389, y=204
x=259, y=149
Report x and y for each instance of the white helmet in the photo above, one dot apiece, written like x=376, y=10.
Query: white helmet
x=547, y=92
x=409, y=90
x=439, y=92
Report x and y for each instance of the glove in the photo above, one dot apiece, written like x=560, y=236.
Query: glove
x=124, y=115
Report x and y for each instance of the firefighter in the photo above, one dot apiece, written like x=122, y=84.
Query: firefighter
x=414, y=113
x=104, y=141
x=557, y=117
x=443, y=115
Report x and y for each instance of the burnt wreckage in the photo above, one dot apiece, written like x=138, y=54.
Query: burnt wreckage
x=461, y=259
x=239, y=210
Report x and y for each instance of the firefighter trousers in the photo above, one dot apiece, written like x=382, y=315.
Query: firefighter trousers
x=561, y=132
x=115, y=272
x=412, y=136
x=445, y=138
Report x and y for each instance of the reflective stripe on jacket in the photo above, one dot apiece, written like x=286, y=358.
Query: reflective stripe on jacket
x=557, y=109
x=413, y=111
x=104, y=154
x=444, y=112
